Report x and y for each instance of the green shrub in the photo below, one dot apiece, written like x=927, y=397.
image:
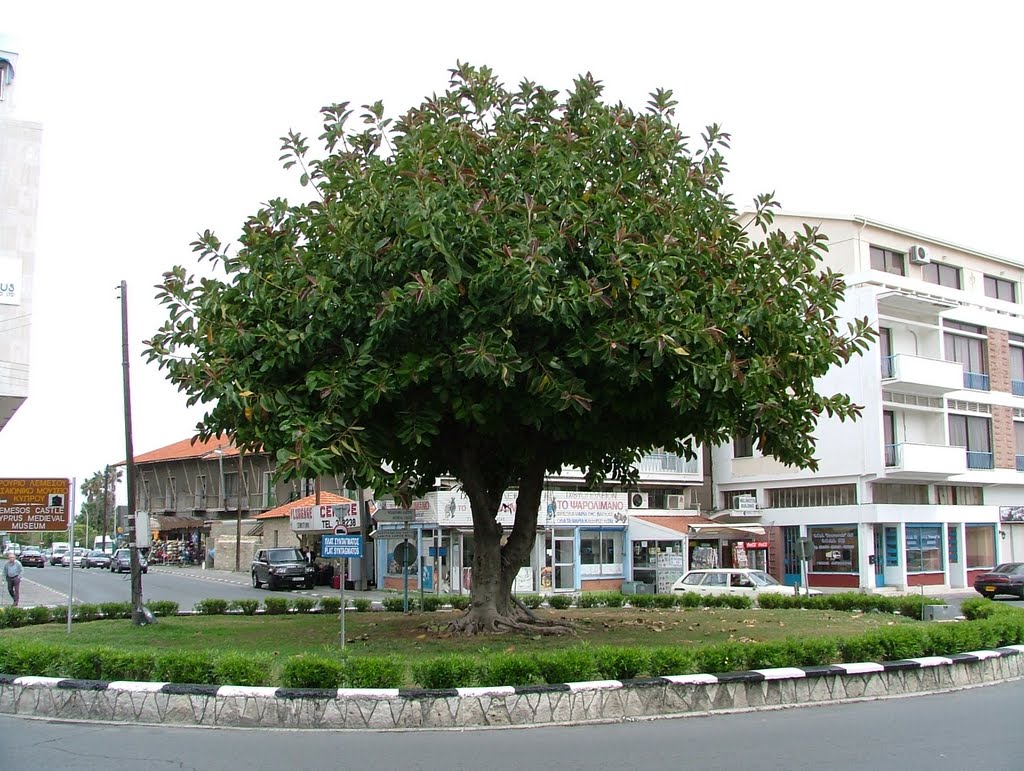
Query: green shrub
x=127, y=665
x=247, y=607
x=86, y=611
x=508, y=669
x=570, y=665
x=687, y=599
x=185, y=667
x=864, y=647
x=531, y=600
x=40, y=614
x=362, y=604
x=275, y=606
x=303, y=604
x=452, y=671
x=735, y=601
x=242, y=669
x=589, y=600
x=621, y=662
x=811, y=652
x=560, y=601
x=23, y=657
x=163, y=607
x=642, y=600
x=308, y=671
x=726, y=657
x=767, y=655
x=212, y=607
x=614, y=599
x=116, y=609
x=374, y=672
x=773, y=601
x=671, y=661
x=664, y=600
x=978, y=608
x=330, y=605
x=459, y=601
x=432, y=602
x=397, y=604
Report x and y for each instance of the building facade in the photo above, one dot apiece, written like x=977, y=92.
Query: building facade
x=20, y=148
x=927, y=488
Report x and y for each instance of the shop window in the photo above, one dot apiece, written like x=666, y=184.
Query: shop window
x=835, y=549
x=600, y=553
x=958, y=495
x=981, y=546
x=887, y=492
x=924, y=548
x=393, y=568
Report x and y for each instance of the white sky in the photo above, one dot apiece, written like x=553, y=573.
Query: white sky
x=161, y=123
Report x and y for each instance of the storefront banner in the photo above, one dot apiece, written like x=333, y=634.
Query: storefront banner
x=1011, y=513
x=324, y=517
x=557, y=509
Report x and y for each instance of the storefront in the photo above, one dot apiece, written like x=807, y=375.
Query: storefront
x=580, y=543
x=727, y=546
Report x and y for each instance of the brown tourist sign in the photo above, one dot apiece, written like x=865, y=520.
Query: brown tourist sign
x=30, y=505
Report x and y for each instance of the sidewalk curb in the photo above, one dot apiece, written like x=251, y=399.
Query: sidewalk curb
x=507, y=706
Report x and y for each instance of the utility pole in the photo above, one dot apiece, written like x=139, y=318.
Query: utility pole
x=242, y=489
x=138, y=612
x=106, y=502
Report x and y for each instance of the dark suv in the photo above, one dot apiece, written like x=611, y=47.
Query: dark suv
x=280, y=567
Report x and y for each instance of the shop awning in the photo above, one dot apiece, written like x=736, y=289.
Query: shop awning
x=728, y=532
x=176, y=523
x=646, y=530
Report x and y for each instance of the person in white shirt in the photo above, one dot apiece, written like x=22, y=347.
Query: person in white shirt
x=12, y=572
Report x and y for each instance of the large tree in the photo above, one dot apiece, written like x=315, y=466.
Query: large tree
x=497, y=284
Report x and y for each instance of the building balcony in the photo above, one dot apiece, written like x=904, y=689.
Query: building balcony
x=1020, y=463
x=919, y=375
x=1017, y=386
x=976, y=381
x=926, y=461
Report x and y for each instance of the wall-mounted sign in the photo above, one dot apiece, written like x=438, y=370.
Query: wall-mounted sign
x=32, y=505
x=10, y=281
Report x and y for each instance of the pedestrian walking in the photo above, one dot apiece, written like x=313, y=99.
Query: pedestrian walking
x=12, y=572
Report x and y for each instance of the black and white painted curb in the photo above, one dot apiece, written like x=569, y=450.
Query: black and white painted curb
x=603, y=700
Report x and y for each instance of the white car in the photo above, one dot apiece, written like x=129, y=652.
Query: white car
x=77, y=555
x=742, y=581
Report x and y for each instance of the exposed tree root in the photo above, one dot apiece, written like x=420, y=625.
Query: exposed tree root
x=518, y=620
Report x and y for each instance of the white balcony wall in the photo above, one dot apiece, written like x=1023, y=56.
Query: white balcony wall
x=920, y=375
x=928, y=460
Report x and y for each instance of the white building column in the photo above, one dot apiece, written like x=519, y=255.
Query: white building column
x=865, y=549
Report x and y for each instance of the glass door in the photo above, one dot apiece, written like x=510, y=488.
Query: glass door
x=879, y=559
x=564, y=560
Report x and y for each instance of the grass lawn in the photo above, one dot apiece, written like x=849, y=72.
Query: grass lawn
x=423, y=635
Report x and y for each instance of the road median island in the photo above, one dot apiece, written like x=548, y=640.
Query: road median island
x=577, y=684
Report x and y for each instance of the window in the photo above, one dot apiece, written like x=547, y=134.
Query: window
x=958, y=495
x=1017, y=364
x=731, y=498
x=820, y=495
x=975, y=435
x=5, y=76
x=200, y=499
x=885, y=351
x=145, y=501
x=1018, y=432
x=924, y=548
x=269, y=493
x=969, y=351
x=693, y=579
x=888, y=261
x=716, y=579
x=601, y=553
x=981, y=546
x=835, y=549
x=890, y=448
x=899, y=493
x=1000, y=289
x=943, y=275
x=742, y=447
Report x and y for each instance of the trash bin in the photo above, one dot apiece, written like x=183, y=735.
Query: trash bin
x=335, y=582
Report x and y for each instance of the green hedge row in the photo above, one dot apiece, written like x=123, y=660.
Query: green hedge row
x=1005, y=626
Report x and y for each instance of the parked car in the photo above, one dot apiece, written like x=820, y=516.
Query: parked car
x=741, y=581
x=280, y=567
x=121, y=562
x=77, y=554
x=1007, y=578
x=57, y=552
x=32, y=557
x=97, y=558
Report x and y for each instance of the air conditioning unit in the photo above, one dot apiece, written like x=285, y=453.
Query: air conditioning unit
x=638, y=501
x=919, y=255
x=675, y=502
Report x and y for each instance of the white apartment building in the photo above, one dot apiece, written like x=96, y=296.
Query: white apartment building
x=927, y=488
x=20, y=143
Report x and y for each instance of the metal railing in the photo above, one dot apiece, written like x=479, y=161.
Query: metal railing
x=976, y=381
x=892, y=455
x=1017, y=386
x=980, y=459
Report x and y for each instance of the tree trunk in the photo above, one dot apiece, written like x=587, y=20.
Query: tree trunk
x=493, y=609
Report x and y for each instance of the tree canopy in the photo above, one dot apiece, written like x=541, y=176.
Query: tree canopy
x=502, y=282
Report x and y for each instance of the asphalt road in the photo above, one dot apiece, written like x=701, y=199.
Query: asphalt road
x=977, y=728
x=50, y=585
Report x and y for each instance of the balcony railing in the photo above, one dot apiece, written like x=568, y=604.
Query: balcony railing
x=667, y=461
x=976, y=381
x=1017, y=386
x=980, y=459
x=887, y=367
x=1020, y=463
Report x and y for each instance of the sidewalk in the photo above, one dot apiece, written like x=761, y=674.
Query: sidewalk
x=33, y=593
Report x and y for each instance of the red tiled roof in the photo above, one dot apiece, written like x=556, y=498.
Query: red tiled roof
x=309, y=500
x=189, y=448
x=677, y=523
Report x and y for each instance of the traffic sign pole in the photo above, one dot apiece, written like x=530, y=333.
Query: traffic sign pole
x=341, y=584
